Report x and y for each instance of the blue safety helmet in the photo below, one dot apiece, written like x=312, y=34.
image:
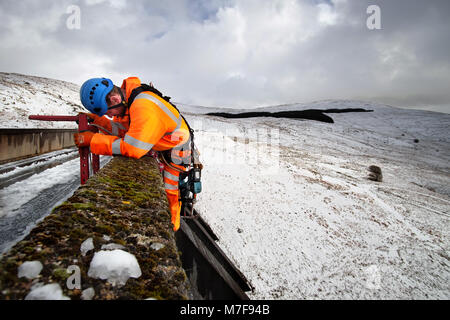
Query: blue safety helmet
x=93, y=95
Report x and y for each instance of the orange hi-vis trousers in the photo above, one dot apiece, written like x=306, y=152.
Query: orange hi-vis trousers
x=171, y=176
x=171, y=180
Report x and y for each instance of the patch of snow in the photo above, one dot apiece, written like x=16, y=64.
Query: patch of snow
x=115, y=266
x=30, y=269
x=50, y=291
x=86, y=246
x=141, y=239
x=24, y=95
x=23, y=191
x=157, y=246
x=112, y=246
x=19, y=169
x=88, y=294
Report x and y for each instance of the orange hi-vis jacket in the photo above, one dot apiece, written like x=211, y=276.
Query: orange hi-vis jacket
x=149, y=123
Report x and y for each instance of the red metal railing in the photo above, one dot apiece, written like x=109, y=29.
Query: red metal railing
x=83, y=125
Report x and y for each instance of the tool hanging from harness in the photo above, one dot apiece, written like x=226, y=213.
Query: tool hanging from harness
x=190, y=180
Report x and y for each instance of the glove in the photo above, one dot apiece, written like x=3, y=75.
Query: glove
x=83, y=139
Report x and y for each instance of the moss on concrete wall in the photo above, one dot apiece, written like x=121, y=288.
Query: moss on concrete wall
x=124, y=204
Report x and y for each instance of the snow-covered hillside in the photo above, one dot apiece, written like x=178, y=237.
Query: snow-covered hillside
x=23, y=95
x=291, y=204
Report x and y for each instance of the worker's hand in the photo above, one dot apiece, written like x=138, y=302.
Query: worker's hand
x=83, y=139
x=91, y=116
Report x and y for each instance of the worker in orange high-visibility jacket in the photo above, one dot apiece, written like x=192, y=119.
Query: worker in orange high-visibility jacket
x=141, y=120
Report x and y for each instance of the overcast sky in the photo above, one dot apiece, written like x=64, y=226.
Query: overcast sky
x=239, y=53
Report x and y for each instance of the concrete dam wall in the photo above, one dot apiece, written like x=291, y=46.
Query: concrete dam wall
x=20, y=143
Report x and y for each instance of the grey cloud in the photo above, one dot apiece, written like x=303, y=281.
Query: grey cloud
x=239, y=53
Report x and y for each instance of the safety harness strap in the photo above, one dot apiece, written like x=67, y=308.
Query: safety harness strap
x=115, y=126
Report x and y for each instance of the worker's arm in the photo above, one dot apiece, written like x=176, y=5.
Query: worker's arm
x=146, y=129
x=113, y=127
